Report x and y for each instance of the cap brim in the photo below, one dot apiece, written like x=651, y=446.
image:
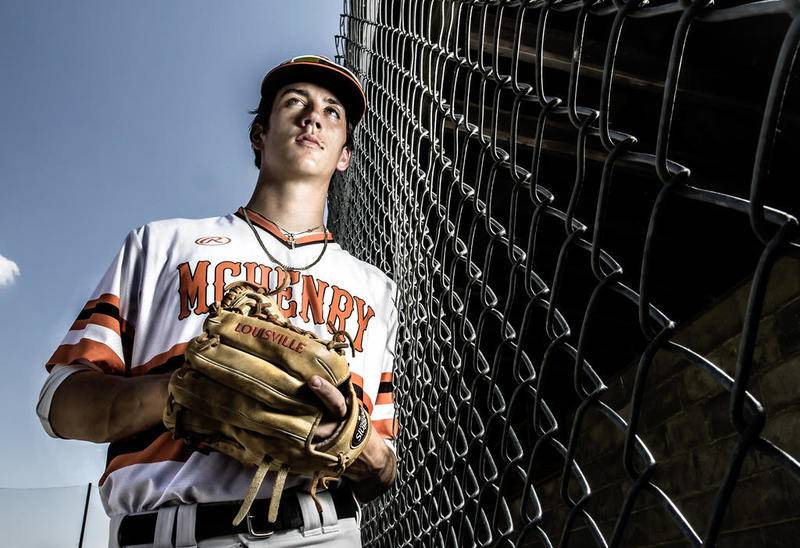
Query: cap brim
x=340, y=83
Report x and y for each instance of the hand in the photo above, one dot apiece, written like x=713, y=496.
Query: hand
x=376, y=467
x=334, y=402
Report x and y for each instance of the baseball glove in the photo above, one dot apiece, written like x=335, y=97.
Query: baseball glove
x=242, y=391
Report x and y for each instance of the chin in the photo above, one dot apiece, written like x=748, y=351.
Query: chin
x=306, y=171
x=308, y=164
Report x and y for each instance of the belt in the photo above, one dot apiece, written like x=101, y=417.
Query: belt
x=215, y=519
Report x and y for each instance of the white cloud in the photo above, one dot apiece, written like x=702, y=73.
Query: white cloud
x=8, y=271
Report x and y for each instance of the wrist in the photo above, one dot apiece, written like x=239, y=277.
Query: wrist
x=377, y=460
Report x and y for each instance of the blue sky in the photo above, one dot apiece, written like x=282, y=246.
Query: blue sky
x=114, y=114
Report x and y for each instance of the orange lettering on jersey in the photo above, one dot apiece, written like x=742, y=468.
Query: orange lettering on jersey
x=263, y=270
x=309, y=305
x=341, y=308
x=363, y=316
x=219, y=276
x=312, y=299
x=286, y=294
x=192, y=288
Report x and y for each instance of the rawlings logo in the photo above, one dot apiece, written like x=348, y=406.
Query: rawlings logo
x=361, y=429
x=213, y=240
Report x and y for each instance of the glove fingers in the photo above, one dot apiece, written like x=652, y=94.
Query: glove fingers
x=210, y=409
x=246, y=373
x=246, y=446
x=203, y=395
x=209, y=433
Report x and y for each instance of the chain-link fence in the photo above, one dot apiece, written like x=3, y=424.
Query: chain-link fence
x=569, y=194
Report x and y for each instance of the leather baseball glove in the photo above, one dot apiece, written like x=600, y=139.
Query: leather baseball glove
x=242, y=391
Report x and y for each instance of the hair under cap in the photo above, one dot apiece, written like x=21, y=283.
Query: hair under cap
x=321, y=71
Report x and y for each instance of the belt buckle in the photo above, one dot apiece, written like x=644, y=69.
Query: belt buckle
x=253, y=532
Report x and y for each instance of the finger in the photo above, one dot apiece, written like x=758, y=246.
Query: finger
x=329, y=394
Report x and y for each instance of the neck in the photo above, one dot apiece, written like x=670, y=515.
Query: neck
x=295, y=205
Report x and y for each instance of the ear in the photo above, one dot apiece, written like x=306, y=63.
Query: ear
x=257, y=136
x=344, y=159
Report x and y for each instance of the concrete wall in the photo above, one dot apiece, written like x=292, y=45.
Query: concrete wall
x=685, y=423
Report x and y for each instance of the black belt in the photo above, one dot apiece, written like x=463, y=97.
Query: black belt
x=215, y=519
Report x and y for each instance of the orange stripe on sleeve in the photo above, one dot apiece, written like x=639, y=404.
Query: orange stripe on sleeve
x=160, y=359
x=387, y=428
x=163, y=448
x=87, y=350
x=386, y=377
x=384, y=397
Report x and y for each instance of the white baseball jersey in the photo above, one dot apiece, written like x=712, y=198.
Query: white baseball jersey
x=154, y=298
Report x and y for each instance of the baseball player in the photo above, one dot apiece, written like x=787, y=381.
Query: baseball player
x=108, y=379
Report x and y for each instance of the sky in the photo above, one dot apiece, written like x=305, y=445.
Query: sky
x=114, y=114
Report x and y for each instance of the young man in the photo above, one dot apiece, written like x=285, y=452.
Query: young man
x=108, y=379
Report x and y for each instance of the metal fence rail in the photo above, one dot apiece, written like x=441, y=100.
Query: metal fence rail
x=505, y=179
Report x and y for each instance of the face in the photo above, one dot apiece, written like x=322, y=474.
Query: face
x=306, y=135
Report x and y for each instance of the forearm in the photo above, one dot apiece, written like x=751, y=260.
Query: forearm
x=374, y=471
x=93, y=406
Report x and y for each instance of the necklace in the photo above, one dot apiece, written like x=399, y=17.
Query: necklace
x=291, y=236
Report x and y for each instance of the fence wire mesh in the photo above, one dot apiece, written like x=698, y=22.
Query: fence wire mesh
x=557, y=187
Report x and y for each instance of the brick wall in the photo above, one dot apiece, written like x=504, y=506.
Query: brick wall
x=686, y=425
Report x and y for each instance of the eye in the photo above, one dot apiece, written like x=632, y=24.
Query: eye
x=292, y=100
x=334, y=111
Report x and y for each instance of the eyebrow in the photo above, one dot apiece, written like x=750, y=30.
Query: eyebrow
x=304, y=93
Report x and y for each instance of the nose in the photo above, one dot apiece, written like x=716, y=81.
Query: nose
x=311, y=116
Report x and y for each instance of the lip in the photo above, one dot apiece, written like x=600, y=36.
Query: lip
x=308, y=138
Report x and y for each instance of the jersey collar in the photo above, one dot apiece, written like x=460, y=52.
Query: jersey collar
x=272, y=228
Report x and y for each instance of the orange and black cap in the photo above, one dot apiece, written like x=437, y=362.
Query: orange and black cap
x=321, y=71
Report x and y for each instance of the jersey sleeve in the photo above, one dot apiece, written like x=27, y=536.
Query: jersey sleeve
x=383, y=417
x=102, y=334
x=58, y=374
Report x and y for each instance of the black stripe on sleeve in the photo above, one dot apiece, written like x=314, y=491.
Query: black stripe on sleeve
x=100, y=308
x=359, y=392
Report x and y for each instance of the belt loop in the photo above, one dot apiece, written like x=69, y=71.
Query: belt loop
x=185, y=526
x=164, y=526
x=313, y=523
x=330, y=518
x=113, y=530
x=312, y=526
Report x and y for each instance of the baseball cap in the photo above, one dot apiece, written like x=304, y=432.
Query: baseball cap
x=322, y=71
